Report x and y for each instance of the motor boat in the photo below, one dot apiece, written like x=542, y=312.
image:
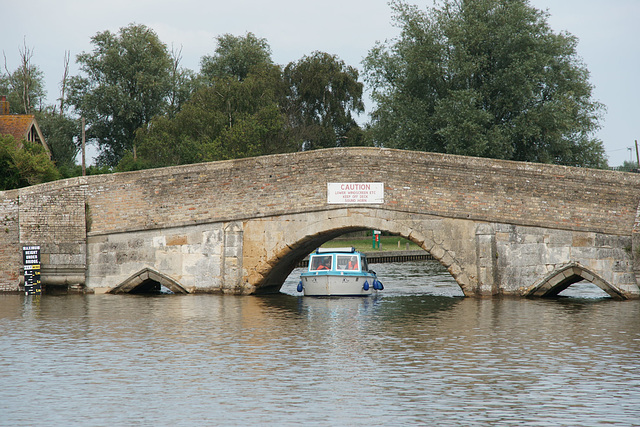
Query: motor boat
x=338, y=272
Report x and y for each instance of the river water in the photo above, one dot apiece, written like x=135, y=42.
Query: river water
x=419, y=354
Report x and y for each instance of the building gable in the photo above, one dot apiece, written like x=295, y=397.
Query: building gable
x=21, y=126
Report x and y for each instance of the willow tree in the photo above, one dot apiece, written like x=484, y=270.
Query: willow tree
x=323, y=94
x=226, y=119
x=236, y=56
x=127, y=81
x=484, y=78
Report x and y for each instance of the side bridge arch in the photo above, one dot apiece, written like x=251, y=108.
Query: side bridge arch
x=148, y=280
x=565, y=276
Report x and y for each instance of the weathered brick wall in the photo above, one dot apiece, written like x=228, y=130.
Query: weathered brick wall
x=52, y=216
x=10, y=249
x=444, y=185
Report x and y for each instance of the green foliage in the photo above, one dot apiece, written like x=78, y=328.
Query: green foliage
x=23, y=164
x=62, y=135
x=628, y=166
x=98, y=170
x=324, y=91
x=231, y=118
x=248, y=106
x=127, y=82
x=365, y=244
x=131, y=163
x=69, y=171
x=484, y=78
x=236, y=56
x=23, y=87
x=182, y=84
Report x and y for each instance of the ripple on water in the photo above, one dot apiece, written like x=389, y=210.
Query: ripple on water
x=405, y=358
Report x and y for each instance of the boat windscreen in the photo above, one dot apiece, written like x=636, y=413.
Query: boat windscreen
x=347, y=262
x=320, y=262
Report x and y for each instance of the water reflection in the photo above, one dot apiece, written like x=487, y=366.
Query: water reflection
x=584, y=289
x=426, y=277
x=405, y=357
x=429, y=277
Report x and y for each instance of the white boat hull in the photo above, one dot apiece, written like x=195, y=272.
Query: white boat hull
x=337, y=285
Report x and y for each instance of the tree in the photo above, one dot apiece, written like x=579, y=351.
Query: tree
x=127, y=83
x=62, y=134
x=234, y=112
x=64, y=82
x=324, y=91
x=484, y=78
x=236, y=56
x=183, y=83
x=24, y=86
x=23, y=163
x=628, y=166
x=247, y=106
x=24, y=90
x=228, y=119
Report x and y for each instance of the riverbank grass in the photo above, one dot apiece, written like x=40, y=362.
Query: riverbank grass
x=387, y=243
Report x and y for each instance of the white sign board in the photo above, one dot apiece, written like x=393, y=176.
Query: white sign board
x=355, y=192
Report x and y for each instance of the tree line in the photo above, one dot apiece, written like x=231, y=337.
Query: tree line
x=482, y=78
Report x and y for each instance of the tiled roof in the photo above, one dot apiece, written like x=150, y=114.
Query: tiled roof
x=16, y=125
x=23, y=126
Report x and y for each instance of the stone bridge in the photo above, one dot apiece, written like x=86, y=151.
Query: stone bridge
x=240, y=226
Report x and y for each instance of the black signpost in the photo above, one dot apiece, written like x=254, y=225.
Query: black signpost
x=31, y=257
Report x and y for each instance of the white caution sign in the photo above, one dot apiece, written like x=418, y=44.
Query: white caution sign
x=355, y=192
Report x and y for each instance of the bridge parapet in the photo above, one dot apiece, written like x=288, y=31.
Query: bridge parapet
x=439, y=184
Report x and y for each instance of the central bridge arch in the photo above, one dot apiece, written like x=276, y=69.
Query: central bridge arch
x=451, y=242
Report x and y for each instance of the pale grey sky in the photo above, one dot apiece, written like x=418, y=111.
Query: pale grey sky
x=607, y=31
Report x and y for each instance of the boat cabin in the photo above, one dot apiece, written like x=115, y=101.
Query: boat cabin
x=339, y=259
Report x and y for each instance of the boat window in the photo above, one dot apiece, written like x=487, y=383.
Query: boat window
x=320, y=262
x=365, y=267
x=347, y=262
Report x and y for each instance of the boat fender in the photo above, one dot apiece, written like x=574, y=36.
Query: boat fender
x=376, y=284
x=300, y=286
x=365, y=286
x=380, y=286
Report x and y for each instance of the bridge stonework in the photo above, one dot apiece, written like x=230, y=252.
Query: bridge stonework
x=240, y=226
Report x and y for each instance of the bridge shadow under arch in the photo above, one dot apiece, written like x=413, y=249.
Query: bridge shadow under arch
x=565, y=276
x=147, y=280
x=315, y=236
x=287, y=260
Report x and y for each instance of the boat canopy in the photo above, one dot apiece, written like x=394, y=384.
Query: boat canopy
x=334, y=250
x=337, y=261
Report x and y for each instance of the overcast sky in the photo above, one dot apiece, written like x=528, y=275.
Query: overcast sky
x=607, y=31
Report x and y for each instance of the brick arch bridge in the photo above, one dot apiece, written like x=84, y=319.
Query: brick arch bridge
x=240, y=226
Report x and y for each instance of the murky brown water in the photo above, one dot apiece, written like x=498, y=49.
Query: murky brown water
x=417, y=354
